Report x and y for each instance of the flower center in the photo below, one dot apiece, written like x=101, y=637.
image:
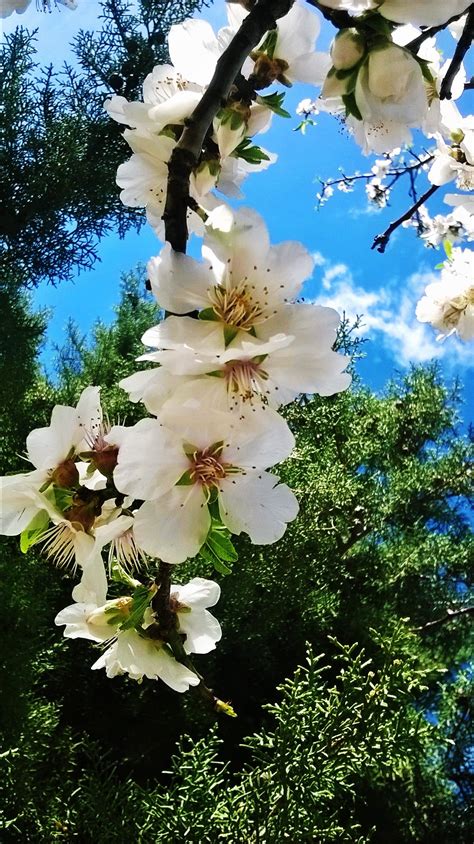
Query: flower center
x=206, y=468
x=245, y=379
x=236, y=306
x=465, y=179
x=455, y=307
x=266, y=70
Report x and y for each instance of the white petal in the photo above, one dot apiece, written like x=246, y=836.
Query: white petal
x=311, y=68
x=205, y=336
x=442, y=170
x=150, y=461
x=175, y=675
x=202, y=631
x=175, y=526
x=178, y=282
x=75, y=618
x=257, y=505
x=260, y=441
x=194, y=50
x=48, y=447
x=175, y=109
x=19, y=503
x=297, y=33
x=199, y=592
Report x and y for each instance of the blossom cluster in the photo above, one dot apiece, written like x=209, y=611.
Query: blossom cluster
x=236, y=342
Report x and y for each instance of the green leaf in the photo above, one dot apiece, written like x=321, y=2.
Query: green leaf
x=275, y=103
x=62, y=498
x=185, y=479
x=218, y=548
x=33, y=532
x=448, y=248
x=141, y=599
x=249, y=153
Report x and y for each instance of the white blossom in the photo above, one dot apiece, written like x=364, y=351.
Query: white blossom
x=287, y=54
x=132, y=650
x=454, y=162
x=449, y=303
x=195, y=454
x=51, y=450
x=391, y=97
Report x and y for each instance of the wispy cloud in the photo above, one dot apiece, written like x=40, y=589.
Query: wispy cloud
x=388, y=316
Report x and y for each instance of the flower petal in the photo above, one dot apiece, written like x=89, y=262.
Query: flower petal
x=257, y=505
x=175, y=526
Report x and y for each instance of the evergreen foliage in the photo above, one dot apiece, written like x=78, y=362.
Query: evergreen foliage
x=367, y=742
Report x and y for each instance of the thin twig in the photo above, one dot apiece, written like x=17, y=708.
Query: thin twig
x=188, y=149
x=381, y=240
x=462, y=47
x=450, y=615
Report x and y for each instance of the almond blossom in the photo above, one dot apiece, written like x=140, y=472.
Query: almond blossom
x=191, y=458
x=52, y=451
x=448, y=304
x=296, y=358
x=242, y=281
x=138, y=650
x=287, y=53
x=454, y=162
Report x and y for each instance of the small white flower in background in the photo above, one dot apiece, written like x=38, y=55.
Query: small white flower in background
x=449, y=303
x=196, y=455
x=133, y=650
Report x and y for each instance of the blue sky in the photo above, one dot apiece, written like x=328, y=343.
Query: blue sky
x=348, y=275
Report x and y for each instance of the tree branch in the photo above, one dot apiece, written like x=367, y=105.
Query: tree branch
x=450, y=615
x=462, y=47
x=381, y=240
x=186, y=154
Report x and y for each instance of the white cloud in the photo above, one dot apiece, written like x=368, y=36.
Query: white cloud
x=388, y=316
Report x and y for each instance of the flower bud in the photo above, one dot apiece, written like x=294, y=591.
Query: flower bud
x=347, y=49
x=390, y=70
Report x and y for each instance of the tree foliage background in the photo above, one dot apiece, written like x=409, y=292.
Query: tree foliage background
x=345, y=651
